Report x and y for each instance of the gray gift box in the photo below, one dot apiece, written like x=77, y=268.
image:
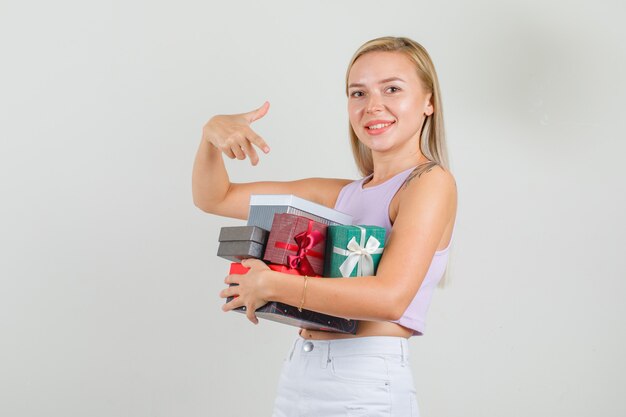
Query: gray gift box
x=264, y=206
x=242, y=242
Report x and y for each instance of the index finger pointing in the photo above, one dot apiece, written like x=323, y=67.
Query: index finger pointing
x=257, y=140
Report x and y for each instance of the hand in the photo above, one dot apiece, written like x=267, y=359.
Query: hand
x=249, y=291
x=232, y=134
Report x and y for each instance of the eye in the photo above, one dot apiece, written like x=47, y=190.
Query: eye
x=357, y=93
x=392, y=89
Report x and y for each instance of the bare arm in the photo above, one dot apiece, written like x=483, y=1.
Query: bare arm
x=231, y=135
x=425, y=210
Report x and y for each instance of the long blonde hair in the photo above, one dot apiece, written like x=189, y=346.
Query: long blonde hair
x=432, y=136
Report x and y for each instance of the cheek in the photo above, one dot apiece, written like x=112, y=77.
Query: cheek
x=409, y=106
x=354, y=113
x=413, y=110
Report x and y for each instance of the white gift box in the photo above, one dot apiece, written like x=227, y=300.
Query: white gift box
x=264, y=206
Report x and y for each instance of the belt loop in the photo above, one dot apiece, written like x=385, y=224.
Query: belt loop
x=403, y=352
x=325, y=354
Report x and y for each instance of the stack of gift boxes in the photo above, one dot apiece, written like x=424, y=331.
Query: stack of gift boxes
x=299, y=237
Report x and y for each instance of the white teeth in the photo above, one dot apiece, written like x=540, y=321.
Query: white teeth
x=378, y=126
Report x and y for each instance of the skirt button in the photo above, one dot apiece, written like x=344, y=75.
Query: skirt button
x=307, y=347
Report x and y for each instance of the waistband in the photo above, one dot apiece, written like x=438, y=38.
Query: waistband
x=370, y=345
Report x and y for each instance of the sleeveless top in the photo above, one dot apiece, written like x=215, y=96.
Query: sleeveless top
x=370, y=206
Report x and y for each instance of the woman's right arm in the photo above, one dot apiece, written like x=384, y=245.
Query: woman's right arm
x=231, y=135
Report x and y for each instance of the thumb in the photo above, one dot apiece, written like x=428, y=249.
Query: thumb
x=256, y=114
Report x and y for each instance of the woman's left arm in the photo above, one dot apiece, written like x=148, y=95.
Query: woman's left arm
x=426, y=207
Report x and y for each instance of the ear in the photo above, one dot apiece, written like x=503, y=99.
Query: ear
x=429, y=108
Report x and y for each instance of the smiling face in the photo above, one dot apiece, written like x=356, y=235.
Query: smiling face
x=387, y=103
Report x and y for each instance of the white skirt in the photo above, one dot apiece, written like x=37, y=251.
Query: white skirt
x=363, y=376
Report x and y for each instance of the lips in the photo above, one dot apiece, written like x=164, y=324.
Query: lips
x=376, y=127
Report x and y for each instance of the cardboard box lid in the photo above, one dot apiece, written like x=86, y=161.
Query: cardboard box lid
x=300, y=204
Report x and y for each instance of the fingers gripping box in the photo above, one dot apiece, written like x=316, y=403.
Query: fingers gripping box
x=286, y=314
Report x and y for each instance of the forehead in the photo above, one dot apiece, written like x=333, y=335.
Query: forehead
x=376, y=66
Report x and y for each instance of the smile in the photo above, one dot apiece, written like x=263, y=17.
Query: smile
x=379, y=125
x=376, y=127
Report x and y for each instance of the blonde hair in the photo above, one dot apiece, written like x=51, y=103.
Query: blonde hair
x=432, y=136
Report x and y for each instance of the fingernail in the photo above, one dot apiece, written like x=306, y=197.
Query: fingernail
x=266, y=149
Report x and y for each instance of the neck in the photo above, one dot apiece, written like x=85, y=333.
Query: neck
x=386, y=166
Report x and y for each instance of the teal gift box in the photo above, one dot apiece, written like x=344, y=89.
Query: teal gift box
x=353, y=251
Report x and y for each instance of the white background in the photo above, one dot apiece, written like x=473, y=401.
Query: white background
x=108, y=273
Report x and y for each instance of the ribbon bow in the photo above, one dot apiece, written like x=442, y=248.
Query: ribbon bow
x=359, y=254
x=306, y=240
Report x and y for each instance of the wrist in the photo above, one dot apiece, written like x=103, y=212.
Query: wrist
x=207, y=133
x=267, y=284
x=210, y=149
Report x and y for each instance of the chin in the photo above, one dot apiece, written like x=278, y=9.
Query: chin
x=377, y=148
x=376, y=143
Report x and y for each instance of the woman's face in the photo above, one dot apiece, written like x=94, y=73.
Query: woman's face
x=387, y=103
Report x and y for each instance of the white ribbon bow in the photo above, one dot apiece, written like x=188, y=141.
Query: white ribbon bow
x=359, y=255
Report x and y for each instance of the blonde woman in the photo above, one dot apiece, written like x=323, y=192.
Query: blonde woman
x=398, y=142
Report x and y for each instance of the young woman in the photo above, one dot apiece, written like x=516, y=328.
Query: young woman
x=397, y=136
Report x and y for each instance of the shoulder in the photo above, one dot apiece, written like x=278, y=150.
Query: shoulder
x=430, y=178
x=429, y=186
x=431, y=174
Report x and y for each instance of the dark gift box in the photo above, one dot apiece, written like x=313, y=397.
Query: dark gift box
x=298, y=243
x=242, y=242
x=286, y=314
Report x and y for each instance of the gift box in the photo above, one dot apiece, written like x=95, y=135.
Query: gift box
x=264, y=206
x=297, y=242
x=353, y=250
x=242, y=242
x=286, y=314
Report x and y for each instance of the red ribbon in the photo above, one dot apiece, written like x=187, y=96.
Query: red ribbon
x=305, y=241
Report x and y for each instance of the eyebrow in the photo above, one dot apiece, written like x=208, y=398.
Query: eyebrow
x=386, y=80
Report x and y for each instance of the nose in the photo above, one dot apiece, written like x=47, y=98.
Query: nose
x=374, y=104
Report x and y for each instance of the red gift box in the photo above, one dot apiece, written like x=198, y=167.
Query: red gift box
x=237, y=268
x=286, y=314
x=298, y=243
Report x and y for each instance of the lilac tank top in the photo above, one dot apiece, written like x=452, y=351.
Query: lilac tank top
x=370, y=206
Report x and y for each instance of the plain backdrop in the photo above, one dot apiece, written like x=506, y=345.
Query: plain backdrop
x=109, y=278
